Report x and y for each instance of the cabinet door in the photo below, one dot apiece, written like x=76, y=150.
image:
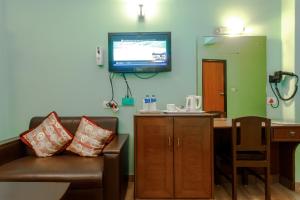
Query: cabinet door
x=193, y=157
x=154, y=157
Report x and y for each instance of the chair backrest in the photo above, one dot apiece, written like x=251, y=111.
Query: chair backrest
x=251, y=133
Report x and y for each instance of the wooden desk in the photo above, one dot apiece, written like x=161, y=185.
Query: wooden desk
x=284, y=141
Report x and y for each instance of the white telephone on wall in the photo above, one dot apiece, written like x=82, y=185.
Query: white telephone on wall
x=99, y=56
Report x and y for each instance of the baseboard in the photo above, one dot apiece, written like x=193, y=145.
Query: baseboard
x=131, y=178
x=297, y=187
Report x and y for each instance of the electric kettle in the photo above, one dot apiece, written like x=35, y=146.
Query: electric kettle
x=193, y=103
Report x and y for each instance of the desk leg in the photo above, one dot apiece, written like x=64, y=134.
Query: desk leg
x=287, y=164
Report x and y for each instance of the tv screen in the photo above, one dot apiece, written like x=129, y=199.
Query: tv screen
x=139, y=52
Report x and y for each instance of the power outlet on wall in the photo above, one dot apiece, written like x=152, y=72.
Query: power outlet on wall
x=104, y=104
x=271, y=100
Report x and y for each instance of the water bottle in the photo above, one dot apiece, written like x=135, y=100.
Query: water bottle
x=153, y=101
x=146, y=103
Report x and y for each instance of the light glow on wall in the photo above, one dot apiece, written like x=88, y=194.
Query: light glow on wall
x=235, y=25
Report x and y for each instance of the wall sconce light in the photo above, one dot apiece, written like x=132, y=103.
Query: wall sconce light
x=224, y=30
x=141, y=15
x=232, y=26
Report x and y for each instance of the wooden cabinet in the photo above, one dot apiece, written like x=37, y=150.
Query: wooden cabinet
x=173, y=157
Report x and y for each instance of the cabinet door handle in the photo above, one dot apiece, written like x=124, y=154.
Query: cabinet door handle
x=169, y=141
x=292, y=133
x=178, y=142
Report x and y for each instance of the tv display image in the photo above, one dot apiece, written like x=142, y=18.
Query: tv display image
x=143, y=52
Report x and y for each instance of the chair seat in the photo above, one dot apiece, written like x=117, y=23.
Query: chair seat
x=59, y=168
x=242, y=156
x=250, y=156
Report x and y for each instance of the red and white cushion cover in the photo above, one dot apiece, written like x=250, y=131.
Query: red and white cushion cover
x=48, y=138
x=90, y=139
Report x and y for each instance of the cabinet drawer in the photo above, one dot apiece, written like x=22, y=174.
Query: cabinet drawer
x=286, y=134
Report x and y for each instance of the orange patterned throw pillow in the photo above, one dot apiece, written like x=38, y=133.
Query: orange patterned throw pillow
x=89, y=139
x=48, y=138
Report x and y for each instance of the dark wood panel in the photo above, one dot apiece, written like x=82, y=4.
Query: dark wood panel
x=193, y=157
x=274, y=158
x=154, y=157
x=287, y=164
x=283, y=134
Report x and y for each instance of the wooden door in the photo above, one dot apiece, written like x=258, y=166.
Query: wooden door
x=213, y=85
x=154, y=157
x=193, y=163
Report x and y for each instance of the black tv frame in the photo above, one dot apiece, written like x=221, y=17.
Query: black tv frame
x=139, y=68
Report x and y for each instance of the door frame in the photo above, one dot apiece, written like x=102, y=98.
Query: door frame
x=225, y=80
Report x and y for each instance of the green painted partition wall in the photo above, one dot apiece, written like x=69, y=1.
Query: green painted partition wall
x=246, y=67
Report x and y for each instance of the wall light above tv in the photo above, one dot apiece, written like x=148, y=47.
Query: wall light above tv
x=139, y=52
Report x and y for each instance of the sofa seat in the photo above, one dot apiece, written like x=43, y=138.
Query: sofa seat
x=59, y=168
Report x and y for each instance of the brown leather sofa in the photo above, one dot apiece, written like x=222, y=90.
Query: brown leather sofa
x=102, y=177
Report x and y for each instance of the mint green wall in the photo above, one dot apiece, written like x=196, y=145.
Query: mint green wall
x=52, y=52
x=5, y=84
x=297, y=70
x=246, y=71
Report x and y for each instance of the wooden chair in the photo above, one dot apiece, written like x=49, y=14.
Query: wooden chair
x=251, y=148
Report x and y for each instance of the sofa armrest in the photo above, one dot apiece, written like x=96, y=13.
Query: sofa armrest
x=115, y=174
x=116, y=145
x=11, y=149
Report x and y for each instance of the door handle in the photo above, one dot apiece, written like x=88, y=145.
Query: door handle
x=222, y=93
x=170, y=144
x=292, y=133
x=178, y=142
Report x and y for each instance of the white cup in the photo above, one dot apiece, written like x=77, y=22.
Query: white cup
x=171, y=107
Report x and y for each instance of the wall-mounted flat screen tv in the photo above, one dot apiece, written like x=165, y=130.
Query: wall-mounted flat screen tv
x=143, y=52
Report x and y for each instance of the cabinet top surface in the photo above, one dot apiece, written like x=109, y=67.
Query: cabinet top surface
x=172, y=114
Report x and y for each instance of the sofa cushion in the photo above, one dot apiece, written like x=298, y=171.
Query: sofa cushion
x=89, y=139
x=48, y=138
x=61, y=168
x=72, y=123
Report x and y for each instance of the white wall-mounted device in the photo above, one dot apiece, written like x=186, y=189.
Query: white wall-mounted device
x=99, y=56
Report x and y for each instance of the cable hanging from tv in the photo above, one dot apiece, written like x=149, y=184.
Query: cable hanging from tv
x=112, y=103
x=128, y=92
